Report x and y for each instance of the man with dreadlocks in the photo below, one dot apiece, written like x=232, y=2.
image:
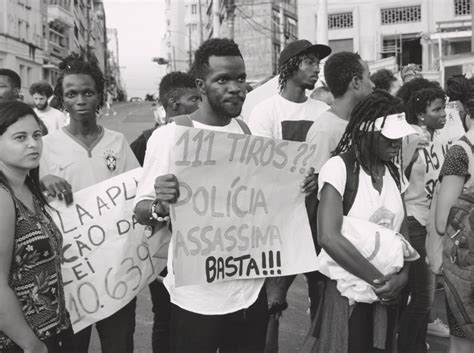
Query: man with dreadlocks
x=82, y=154
x=372, y=182
x=289, y=115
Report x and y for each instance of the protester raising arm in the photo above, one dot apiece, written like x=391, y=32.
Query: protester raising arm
x=12, y=321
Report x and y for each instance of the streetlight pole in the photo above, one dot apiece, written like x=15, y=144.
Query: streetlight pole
x=190, y=46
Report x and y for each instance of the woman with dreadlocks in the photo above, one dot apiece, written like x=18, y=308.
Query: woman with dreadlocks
x=361, y=181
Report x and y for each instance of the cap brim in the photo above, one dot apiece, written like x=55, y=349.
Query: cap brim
x=320, y=50
x=397, y=130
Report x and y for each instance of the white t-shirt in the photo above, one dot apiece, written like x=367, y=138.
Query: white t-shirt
x=52, y=118
x=279, y=118
x=325, y=133
x=424, y=176
x=385, y=209
x=210, y=299
x=82, y=166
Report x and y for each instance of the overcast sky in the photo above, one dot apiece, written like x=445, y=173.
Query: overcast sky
x=140, y=25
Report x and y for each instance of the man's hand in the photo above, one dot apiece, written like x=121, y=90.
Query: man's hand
x=391, y=286
x=57, y=187
x=167, y=189
x=310, y=183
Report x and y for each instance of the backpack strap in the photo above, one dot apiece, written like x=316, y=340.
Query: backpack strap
x=183, y=120
x=352, y=180
x=245, y=128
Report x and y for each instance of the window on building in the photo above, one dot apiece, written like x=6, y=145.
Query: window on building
x=275, y=22
x=405, y=14
x=29, y=76
x=405, y=47
x=340, y=20
x=462, y=7
x=291, y=29
x=276, y=56
x=194, y=27
x=338, y=45
x=194, y=9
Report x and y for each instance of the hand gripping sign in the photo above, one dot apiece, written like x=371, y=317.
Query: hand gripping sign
x=241, y=213
x=107, y=256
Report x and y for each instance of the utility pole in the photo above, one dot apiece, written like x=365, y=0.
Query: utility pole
x=88, y=37
x=231, y=16
x=281, y=28
x=472, y=26
x=190, y=46
x=201, y=35
x=216, y=22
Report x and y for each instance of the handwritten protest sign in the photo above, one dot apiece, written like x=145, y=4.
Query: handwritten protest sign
x=107, y=256
x=453, y=129
x=241, y=213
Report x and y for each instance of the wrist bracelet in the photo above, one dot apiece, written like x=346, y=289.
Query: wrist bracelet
x=154, y=216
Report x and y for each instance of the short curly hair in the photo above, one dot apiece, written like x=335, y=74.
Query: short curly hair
x=212, y=47
x=383, y=79
x=409, y=88
x=76, y=64
x=420, y=101
x=339, y=71
x=172, y=84
x=42, y=87
x=13, y=77
x=458, y=88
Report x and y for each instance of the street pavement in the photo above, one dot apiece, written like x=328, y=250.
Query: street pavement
x=131, y=120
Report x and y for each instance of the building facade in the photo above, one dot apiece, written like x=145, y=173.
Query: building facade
x=23, y=27
x=413, y=31
x=35, y=35
x=261, y=29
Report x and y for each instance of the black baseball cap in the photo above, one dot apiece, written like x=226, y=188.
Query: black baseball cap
x=303, y=45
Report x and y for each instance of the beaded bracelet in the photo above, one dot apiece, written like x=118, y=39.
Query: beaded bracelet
x=154, y=214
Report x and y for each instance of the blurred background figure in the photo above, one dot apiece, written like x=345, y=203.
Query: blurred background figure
x=10, y=85
x=410, y=72
x=323, y=94
x=53, y=118
x=385, y=79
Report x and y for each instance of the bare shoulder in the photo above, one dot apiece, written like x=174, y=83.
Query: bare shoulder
x=7, y=216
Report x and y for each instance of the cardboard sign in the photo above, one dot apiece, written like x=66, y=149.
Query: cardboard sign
x=107, y=256
x=241, y=213
x=453, y=129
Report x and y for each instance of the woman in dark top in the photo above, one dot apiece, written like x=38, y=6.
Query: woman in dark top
x=456, y=175
x=32, y=308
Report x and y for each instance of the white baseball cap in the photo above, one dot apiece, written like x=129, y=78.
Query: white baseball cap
x=394, y=126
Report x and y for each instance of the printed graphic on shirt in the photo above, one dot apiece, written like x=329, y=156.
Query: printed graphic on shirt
x=295, y=130
x=383, y=217
x=111, y=160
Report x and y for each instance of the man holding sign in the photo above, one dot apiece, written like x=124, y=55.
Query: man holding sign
x=218, y=315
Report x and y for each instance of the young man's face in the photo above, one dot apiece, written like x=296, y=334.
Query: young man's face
x=7, y=91
x=188, y=101
x=80, y=96
x=40, y=101
x=308, y=72
x=366, y=85
x=225, y=85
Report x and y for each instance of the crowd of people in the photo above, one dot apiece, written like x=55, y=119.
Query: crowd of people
x=384, y=155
